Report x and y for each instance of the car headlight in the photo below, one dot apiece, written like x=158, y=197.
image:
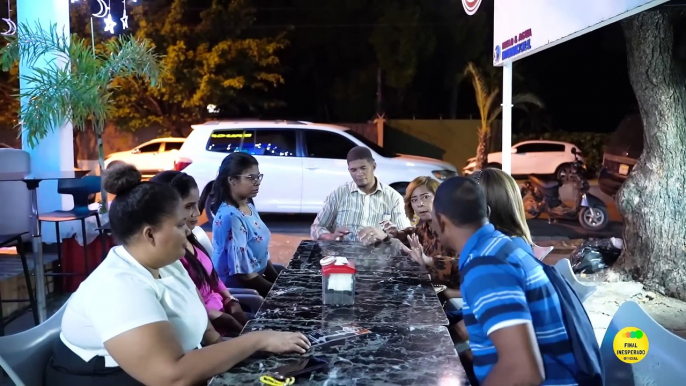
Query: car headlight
x=443, y=174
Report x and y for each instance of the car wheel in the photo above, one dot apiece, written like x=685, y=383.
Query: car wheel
x=563, y=172
x=594, y=220
x=495, y=165
x=401, y=187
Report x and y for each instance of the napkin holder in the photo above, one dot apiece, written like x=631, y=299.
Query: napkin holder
x=338, y=281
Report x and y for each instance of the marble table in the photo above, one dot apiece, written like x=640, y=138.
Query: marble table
x=391, y=354
x=381, y=259
x=379, y=298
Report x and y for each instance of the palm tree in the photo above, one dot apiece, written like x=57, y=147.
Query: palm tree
x=79, y=91
x=489, y=111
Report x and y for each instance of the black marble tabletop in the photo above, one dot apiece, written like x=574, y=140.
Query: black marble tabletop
x=379, y=298
x=384, y=259
x=390, y=355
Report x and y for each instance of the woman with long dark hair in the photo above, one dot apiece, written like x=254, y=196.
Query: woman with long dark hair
x=137, y=319
x=223, y=309
x=240, y=237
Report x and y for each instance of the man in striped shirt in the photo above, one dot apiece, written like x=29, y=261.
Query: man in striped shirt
x=355, y=211
x=511, y=310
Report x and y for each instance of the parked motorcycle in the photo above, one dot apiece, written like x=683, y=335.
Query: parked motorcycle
x=542, y=195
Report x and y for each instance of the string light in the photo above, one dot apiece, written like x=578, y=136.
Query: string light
x=125, y=18
x=11, y=26
x=105, y=13
x=109, y=24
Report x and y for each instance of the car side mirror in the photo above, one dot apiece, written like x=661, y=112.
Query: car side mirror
x=574, y=150
x=514, y=150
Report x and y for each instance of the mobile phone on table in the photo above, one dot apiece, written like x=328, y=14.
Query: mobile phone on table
x=299, y=368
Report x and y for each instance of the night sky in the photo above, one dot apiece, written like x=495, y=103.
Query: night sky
x=584, y=82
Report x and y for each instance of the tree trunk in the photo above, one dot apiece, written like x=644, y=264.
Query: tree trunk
x=652, y=198
x=104, y=204
x=379, y=92
x=482, y=149
x=76, y=147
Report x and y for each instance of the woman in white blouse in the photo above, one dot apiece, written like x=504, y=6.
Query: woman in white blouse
x=138, y=319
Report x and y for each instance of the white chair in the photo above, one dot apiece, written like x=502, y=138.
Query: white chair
x=456, y=304
x=541, y=252
x=664, y=362
x=15, y=197
x=25, y=355
x=203, y=239
x=583, y=291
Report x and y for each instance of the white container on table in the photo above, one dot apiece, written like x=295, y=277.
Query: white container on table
x=338, y=281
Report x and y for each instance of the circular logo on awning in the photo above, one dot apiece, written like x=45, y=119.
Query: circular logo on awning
x=470, y=6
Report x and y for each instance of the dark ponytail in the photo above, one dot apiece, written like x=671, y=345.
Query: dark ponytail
x=233, y=165
x=203, y=279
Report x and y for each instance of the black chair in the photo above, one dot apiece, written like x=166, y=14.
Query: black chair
x=8, y=241
x=80, y=189
x=105, y=230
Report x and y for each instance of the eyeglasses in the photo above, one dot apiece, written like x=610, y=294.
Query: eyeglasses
x=476, y=176
x=423, y=198
x=254, y=178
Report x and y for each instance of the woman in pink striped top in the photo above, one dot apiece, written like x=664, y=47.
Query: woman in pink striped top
x=223, y=309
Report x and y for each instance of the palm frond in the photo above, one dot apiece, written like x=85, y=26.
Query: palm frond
x=131, y=57
x=74, y=83
x=43, y=108
x=519, y=101
x=481, y=90
x=35, y=42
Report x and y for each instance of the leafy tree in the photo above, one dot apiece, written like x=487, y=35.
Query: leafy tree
x=79, y=92
x=208, y=60
x=651, y=199
x=460, y=39
x=9, y=82
x=489, y=110
x=401, y=41
x=330, y=70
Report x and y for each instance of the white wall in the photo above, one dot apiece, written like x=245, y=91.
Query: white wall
x=55, y=152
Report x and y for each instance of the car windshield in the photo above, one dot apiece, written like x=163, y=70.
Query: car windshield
x=378, y=149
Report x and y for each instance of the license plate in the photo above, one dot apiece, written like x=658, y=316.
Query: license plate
x=623, y=169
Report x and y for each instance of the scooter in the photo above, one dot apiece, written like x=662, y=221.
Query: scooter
x=542, y=195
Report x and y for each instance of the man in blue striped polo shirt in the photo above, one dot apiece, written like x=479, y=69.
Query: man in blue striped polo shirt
x=511, y=310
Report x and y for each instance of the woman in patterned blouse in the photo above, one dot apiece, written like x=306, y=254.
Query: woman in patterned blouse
x=419, y=198
x=240, y=237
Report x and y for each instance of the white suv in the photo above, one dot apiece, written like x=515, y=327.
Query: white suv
x=302, y=162
x=150, y=157
x=534, y=157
